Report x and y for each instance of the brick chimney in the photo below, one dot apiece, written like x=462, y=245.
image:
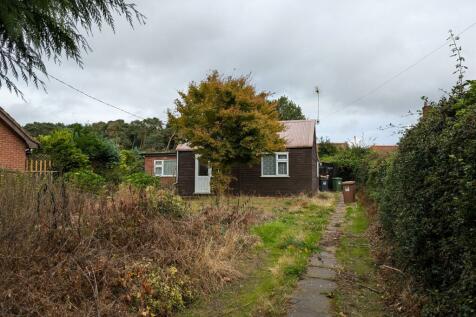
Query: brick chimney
x=425, y=109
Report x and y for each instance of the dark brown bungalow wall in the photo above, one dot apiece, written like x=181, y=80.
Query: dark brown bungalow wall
x=299, y=176
x=302, y=176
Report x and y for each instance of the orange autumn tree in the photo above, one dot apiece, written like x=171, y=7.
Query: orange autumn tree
x=227, y=122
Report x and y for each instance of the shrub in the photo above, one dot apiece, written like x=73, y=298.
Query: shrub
x=375, y=178
x=61, y=147
x=427, y=202
x=142, y=180
x=161, y=292
x=130, y=161
x=86, y=180
x=165, y=202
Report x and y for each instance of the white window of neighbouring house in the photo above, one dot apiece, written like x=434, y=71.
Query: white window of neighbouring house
x=165, y=168
x=275, y=164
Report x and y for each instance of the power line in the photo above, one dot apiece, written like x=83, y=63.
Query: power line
x=398, y=74
x=94, y=98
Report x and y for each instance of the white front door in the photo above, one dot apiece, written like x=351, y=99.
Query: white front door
x=202, y=176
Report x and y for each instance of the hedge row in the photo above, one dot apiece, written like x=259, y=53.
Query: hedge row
x=427, y=200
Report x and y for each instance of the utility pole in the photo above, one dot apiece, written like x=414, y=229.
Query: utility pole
x=317, y=92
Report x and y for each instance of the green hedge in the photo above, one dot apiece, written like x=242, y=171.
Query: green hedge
x=427, y=200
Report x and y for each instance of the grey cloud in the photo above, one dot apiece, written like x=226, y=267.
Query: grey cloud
x=345, y=47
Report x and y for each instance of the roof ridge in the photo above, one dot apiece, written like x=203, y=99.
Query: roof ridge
x=304, y=120
x=18, y=129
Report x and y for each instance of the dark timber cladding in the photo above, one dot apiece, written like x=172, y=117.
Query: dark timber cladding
x=300, y=179
x=300, y=139
x=186, y=173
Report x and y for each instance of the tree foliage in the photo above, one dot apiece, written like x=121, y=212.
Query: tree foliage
x=227, y=121
x=78, y=148
x=130, y=161
x=149, y=134
x=63, y=151
x=102, y=153
x=326, y=148
x=288, y=109
x=350, y=163
x=34, y=30
x=43, y=128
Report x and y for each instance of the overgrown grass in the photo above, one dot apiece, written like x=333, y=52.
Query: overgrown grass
x=286, y=242
x=64, y=252
x=358, y=292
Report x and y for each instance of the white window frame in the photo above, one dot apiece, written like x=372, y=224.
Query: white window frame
x=160, y=163
x=278, y=160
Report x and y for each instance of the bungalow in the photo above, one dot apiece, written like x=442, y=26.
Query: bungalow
x=293, y=171
x=15, y=143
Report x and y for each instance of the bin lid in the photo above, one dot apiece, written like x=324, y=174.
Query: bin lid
x=348, y=183
x=337, y=178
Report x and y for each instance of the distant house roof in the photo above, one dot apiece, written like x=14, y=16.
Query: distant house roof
x=296, y=133
x=17, y=128
x=341, y=145
x=384, y=149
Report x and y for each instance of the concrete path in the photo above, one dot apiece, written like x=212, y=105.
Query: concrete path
x=311, y=297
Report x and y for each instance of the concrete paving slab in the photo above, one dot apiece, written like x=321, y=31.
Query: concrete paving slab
x=321, y=272
x=310, y=297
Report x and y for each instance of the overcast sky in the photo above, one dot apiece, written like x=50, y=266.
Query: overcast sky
x=347, y=48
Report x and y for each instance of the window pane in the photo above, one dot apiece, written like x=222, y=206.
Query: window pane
x=158, y=171
x=282, y=156
x=269, y=164
x=169, y=167
x=282, y=168
x=202, y=168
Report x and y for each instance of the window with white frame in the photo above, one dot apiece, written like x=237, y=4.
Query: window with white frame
x=165, y=168
x=275, y=164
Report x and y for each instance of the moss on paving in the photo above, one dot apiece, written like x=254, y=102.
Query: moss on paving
x=286, y=244
x=353, y=296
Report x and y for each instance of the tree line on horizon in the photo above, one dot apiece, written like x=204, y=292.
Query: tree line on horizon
x=147, y=135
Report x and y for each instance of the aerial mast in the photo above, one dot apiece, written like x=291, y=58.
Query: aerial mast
x=316, y=89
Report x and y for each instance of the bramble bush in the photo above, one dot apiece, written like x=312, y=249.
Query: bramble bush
x=427, y=201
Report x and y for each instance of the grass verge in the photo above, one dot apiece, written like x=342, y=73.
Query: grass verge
x=358, y=292
x=280, y=258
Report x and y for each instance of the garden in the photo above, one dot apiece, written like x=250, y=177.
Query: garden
x=68, y=251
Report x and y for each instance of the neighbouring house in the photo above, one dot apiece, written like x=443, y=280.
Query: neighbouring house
x=15, y=143
x=293, y=171
x=163, y=165
x=384, y=149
